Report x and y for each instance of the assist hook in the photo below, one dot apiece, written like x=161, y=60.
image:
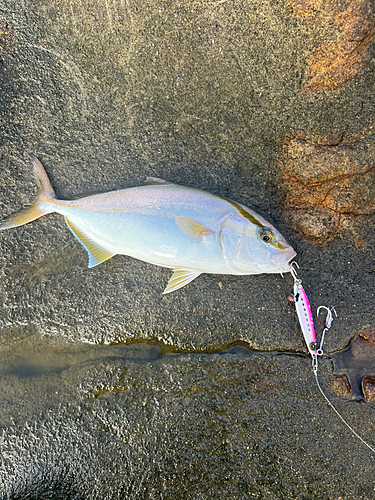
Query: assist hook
x=329, y=319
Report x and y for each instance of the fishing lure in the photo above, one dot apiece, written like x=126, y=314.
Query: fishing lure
x=307, y=326
x=303, y=312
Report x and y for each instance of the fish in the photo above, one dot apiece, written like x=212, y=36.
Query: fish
x=188, y=230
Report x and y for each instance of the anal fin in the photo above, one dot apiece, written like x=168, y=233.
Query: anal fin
x=97, y=254
x=180, y=278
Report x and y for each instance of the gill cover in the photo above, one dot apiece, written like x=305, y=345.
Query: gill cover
x=250, y=248
x=232, y=243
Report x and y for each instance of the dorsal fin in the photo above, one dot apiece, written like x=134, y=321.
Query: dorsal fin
x=97, y=254
x=180, y=278
x=192, y=229
x=150, y=181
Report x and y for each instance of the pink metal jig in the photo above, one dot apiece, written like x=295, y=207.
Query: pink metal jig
x=303, y=312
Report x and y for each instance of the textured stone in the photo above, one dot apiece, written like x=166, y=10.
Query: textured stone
x=352, y=29
x=368, y=334
x=329, y=185
x=341, y=386
x=357, y=364
x=368, y=388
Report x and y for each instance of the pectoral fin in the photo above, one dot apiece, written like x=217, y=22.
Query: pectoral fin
x=192, y=229
x=180, y=278
x=97, y=254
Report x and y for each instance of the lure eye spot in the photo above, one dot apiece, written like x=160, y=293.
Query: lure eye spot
x=266, y=235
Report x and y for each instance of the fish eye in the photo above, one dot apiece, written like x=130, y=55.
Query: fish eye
x=266, y=235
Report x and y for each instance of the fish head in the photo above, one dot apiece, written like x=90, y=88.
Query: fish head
x=251, y=245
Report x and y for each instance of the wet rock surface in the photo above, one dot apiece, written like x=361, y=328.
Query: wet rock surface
x=168, y=400
x=140, y=424
x=356, y=367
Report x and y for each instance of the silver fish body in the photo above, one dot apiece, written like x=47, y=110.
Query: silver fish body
x=189, y=230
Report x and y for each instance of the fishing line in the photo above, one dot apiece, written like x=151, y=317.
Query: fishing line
x=307, y=326
x=336, y=411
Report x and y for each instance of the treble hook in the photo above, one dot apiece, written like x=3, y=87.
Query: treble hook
x=293, y=271
x=329, y=320
x=295, y=263
x=329, y=317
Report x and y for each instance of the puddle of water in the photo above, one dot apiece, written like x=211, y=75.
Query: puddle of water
x=357, y=361
x=26, y=353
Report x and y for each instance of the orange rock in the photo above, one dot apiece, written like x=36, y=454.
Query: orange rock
x=368, y=388
x=329, y=188
x=305, y=8
x=368, y=334
x=341, y=386
x=317, y=223
x=331, y=66
x=341, y=58
x=353, y=194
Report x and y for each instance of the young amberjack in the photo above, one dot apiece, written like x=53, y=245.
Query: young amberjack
x=188, y=230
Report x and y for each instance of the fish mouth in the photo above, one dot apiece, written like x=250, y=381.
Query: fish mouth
x=283, y=260
x=290, y=256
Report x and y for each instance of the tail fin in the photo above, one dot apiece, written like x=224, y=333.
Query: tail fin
x=45, y=194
